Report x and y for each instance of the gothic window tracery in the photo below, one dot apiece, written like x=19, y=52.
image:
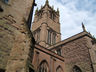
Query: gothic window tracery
x=76, y=69
x=43, y=67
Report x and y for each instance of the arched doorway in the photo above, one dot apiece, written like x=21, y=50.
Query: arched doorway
x=76, y=69
x=43, y=67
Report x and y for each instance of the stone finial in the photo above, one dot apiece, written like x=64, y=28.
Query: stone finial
x=41, y=6
x=83, y=27
x=47, y=2
x=58, y=10
x=52, y=7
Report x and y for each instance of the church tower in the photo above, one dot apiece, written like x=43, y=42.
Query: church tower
x=46, y=26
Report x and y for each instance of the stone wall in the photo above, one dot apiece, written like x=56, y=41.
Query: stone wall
x=6, y=42
x=53, y=60
x=15, y=36
x=76, y=52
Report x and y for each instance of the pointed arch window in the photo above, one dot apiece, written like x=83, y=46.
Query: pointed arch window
x=76, y=69
x=51, y=39
x=43, y=67
x=59, y=69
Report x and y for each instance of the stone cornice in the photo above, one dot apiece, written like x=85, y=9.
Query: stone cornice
x=47, y=51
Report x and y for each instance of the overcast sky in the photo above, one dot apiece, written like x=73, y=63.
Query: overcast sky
x=72, y=14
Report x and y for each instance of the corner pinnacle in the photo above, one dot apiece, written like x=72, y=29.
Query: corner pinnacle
x=83, y=27
x=47, y=2
x=57, y=9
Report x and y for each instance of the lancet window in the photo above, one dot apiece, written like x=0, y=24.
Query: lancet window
x=43, y=67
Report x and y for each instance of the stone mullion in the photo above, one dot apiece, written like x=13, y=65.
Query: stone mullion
x=39, y=35
x=52, y=37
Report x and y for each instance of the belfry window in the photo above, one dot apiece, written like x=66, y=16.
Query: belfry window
x=49, y=37
x=54, y=38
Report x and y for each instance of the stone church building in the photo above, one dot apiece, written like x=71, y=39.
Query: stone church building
x=41, y=49
x=74, y=54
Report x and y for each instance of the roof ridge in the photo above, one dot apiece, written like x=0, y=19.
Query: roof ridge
x=71, y=38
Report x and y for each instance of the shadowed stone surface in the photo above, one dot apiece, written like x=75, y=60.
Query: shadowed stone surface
x=16, y=47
